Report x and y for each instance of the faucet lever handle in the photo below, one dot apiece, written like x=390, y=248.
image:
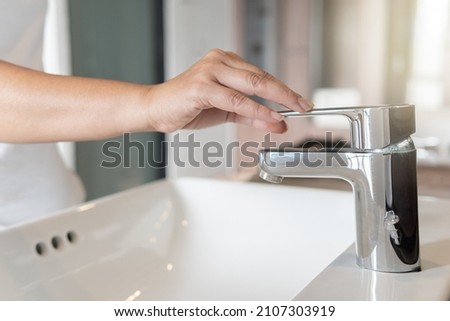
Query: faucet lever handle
x=371, y=127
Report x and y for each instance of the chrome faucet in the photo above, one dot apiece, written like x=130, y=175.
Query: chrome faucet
x=381, y=166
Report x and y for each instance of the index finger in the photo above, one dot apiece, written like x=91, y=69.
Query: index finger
x=262, y=84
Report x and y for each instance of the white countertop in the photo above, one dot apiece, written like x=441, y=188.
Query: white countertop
x=344, y=280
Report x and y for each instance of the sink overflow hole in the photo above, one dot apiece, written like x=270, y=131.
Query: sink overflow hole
x=57, y=242
x=71, y=236
x=41, y=249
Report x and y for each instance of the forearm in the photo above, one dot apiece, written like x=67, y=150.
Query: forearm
x=38, y=107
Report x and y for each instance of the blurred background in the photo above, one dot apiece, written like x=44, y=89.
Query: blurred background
x=335, y=52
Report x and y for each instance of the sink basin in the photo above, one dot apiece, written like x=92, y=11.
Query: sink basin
x=184, y=239
x=204, y=239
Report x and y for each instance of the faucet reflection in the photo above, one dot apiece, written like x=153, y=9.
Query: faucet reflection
x=381, y=167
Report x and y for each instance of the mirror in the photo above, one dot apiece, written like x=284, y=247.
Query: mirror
x=361, y=52
x=390, y=51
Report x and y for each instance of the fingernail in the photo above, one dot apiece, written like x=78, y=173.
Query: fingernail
x=277, y=116
x=279, y=127
x=305, y=104
x=283, y=129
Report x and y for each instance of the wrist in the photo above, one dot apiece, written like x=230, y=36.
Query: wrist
x=134, y=109
x=156, y=104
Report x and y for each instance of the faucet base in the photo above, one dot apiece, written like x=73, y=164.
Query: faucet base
x=397, y=269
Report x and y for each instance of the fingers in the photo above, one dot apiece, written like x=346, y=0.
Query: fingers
x=233, y=101
x=279, y=127
x=251, y=80
x=232, y=71
x=233, y=60
x=215, y=116
x=264, y=85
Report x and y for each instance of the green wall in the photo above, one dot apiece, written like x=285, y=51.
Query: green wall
x=119, y=40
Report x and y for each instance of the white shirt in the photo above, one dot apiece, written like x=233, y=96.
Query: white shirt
x=33, y=178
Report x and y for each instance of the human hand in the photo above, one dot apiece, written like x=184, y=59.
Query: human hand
x=215, y=90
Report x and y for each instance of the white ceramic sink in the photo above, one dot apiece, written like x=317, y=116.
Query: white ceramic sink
x=186, y=239
x=200, y=239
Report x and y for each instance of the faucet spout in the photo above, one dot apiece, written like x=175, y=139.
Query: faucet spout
x=385, y=188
